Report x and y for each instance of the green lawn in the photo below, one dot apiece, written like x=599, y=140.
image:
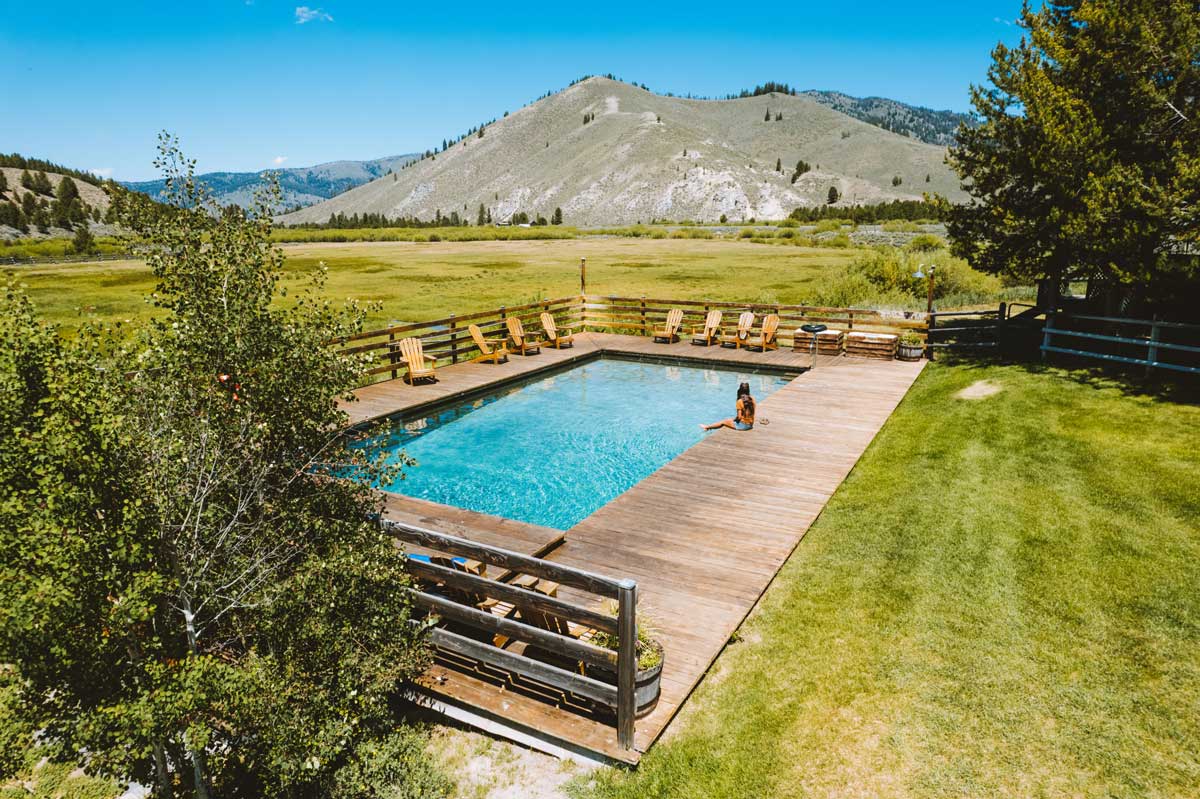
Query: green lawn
x=1001, y=600
x=416, y=281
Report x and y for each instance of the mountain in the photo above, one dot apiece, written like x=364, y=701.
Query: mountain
x=924, y=124
x=644, y=156
x=299, y=185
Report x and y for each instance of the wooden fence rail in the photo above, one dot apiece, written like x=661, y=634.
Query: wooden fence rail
x=621, y=696
x=448, y=339
x=1109, y=340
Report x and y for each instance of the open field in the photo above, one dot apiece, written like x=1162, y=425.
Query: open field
x=415, y=281
x=999, y=601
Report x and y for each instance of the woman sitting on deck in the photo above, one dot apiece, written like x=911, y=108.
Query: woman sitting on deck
x=744, y=420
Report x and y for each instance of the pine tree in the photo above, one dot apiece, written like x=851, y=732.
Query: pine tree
x=41, y=183
x=29, y=204
x=26, y=180
x=67, y=190
x=779, y=165
x=897, y=180
x=767, y=118
x=481, y=219
x=83, y=243
x=1110, y=90
x=779, y=116
x=556, y=218
x=927, y=178
x=3, y=182
x=833, y=195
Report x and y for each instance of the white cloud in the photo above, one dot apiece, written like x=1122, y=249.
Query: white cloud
x=1007, y=22
x=305, y=14
x=279, y=159
x=102, y=172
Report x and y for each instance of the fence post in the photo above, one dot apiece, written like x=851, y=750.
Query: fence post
x=626, y=662
x=1046, y=332
x=1152, y=347
x=930, y=322
x=392, y=353
x=643, y=314
x=453, y=341
x=850, y=313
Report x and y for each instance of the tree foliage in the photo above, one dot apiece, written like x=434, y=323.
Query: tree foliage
x=1087, y=161
x=192, y=594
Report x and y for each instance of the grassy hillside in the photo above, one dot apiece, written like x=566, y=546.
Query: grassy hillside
x=999, y=601
x=643, y=156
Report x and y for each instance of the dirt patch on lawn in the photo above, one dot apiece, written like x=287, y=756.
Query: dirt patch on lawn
x=978, y=390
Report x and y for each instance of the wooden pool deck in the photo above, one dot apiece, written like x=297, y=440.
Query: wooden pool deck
x=703, y=536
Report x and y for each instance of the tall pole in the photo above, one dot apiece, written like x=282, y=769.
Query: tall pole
x=929, y=302
x=583, y=276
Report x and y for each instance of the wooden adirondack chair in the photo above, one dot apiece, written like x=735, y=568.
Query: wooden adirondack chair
x=766, y=336
x=492, y=350
x=420, y=366
x=517, y=337
x=553, y=337
x=704, y=335
x=668, y=333
x=742, y=335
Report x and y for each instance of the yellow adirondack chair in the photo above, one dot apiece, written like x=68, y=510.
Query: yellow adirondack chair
x=517, y=337
x=420, y=366
x=742, y=335
x=706, y=334
x=553, y=337
x=766, y=336
x=668, y=333
x=490, y=349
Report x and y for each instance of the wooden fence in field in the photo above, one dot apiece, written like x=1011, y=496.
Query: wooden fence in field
x=449, y=340
x=1150, y=343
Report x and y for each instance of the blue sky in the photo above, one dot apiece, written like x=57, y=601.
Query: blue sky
x=245, y=83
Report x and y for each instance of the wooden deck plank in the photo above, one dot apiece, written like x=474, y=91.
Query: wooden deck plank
x=703, y=536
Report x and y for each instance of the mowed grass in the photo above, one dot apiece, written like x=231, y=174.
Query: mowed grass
x=1001, y=600
x=417, y=281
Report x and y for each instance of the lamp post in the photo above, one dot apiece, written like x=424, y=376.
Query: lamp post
x=929, y=319
x=920, y=274
x=583, y=276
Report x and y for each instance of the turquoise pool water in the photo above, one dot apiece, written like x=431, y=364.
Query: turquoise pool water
x=552, y=451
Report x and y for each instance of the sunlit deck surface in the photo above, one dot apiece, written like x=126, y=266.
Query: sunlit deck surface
x=703, y=536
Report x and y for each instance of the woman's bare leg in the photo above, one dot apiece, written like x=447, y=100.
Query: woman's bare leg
x=715, y=425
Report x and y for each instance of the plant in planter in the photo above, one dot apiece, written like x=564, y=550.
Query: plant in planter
x=647, y=682
x=911, y=346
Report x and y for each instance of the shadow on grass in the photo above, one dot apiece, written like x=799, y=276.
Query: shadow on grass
x=1180, y=389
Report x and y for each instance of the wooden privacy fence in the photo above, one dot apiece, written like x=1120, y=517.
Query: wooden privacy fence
x=1152, y=343
x=449, y=340
x=456, y=596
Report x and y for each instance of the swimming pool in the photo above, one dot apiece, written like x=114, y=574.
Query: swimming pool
x=554, y=450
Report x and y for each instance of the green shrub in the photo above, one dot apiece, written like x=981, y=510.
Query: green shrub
x=900, y=226
x=926, y=242
x=395, y=767
x=746, y=233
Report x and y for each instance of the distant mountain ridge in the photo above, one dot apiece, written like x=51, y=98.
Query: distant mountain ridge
x=609, y=152
x=299, y=185
x=918, y=122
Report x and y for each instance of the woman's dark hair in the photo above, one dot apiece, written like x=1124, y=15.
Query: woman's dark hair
x=743, y=392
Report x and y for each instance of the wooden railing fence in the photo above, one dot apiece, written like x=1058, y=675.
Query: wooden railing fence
x=621, y=696
x=448, y=339
x=1152, y=343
